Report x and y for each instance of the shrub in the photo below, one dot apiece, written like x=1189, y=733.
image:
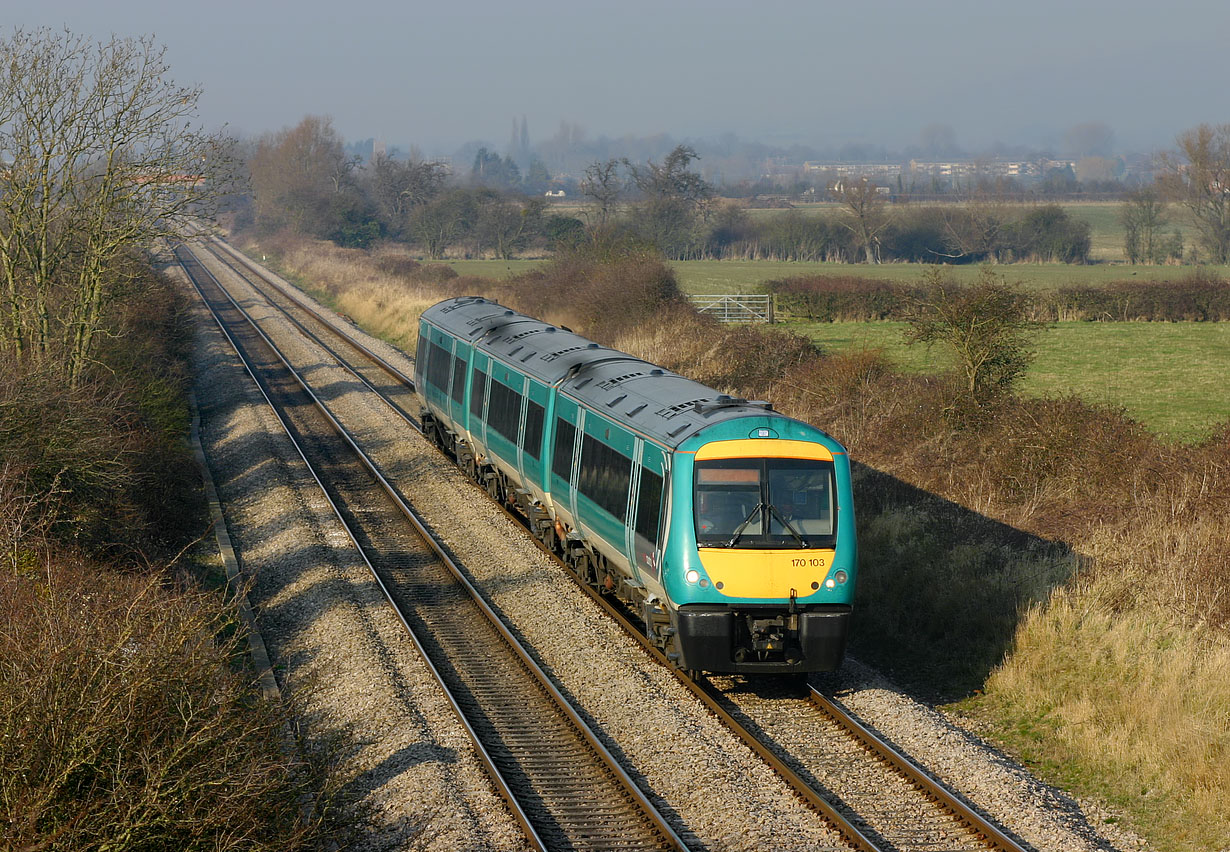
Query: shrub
x=397, y=265
x=986, y=326
x=122, y=725
x=1198, y=297
x=846, y=298
x=597, y=291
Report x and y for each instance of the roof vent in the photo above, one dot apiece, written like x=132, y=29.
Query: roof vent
x=679, y=408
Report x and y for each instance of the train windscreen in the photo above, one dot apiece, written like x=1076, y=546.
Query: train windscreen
x=765, y=503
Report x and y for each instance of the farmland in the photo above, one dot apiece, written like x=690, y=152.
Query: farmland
x=748, y=276
x=1168, y=376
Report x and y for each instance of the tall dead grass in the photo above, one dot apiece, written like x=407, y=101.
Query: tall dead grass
x=1129, y=701
x=384, y=291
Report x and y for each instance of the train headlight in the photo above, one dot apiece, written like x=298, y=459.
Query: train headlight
x=692, y=575
x=830, y=583
x=841, y=577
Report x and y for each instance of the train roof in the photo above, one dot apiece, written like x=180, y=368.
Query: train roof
x=650, y=399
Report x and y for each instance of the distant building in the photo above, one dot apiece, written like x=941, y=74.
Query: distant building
x=554, y=193
x=854, y=170
x=990, y=168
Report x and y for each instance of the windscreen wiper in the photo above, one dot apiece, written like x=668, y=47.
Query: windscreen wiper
x=739, y=529
x=789, y=527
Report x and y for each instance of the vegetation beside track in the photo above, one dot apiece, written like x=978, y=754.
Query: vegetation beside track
x=1056, y=569
x=129, y=715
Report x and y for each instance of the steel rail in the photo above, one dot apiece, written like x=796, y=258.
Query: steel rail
x=710, y=695
x=235, y=255
x=947, y=798
x=660, y=824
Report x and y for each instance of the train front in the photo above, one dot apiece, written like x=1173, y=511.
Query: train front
x=763, y=581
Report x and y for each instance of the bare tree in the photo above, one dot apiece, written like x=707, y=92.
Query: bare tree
x=975, y=230
x=439, y=224
x=294, y=173
x=1197, y=176
x=865, y=216
x=603, y=183
x=675, y=197
x=103, y=159
x=1143, y=216
x=506, y=224
x=673, y=180
x=398, y=187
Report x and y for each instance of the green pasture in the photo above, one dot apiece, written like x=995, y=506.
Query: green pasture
x=748, y=276
x=1169, y=376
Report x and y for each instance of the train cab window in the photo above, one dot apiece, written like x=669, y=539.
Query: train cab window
x=767, y=502
x=801, y=492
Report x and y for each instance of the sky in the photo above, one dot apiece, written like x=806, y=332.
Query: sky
x=812, y=72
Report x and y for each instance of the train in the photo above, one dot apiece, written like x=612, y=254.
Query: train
x=725, y=528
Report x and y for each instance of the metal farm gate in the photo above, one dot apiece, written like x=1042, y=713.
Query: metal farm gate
x=735, y=308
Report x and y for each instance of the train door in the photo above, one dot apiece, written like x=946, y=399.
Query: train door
x=564, y=434
x=457, y=387
x=478, y=400
x=532, y=464
x=649, y=508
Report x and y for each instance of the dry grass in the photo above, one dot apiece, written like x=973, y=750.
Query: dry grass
x=1131, y=703
x=383, y=291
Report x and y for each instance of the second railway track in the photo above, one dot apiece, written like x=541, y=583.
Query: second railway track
x=905, y=809
x=565, y=788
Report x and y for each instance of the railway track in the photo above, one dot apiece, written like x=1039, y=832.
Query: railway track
x=902, y=807
x=563, y=786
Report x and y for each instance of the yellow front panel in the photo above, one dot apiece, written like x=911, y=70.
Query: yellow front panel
x=760, y=448
x=766, y=573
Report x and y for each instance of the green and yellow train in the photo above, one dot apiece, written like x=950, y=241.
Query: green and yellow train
x=727, y=527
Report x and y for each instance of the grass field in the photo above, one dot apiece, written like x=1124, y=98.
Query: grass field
x=747, y=276
x=1169, y=376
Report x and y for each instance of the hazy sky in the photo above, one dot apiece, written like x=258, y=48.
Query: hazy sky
x=438, y=74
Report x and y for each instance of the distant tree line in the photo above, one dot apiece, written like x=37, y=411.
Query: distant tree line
x=303, y=181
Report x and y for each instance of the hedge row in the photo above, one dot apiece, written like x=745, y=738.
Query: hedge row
x=1200, y=297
